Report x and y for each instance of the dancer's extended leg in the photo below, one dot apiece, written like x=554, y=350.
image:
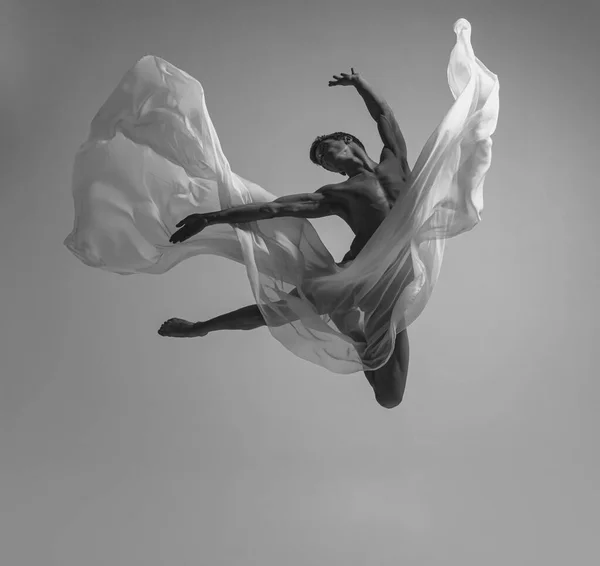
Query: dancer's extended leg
x=246, y=318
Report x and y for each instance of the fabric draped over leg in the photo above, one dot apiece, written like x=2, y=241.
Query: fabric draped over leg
x=153, y=157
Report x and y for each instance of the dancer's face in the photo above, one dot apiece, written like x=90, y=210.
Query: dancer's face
x=332, y=154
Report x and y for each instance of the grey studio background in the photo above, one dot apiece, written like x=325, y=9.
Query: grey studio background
x=122, y=448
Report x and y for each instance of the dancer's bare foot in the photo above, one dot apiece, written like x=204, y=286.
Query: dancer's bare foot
x=180, y=328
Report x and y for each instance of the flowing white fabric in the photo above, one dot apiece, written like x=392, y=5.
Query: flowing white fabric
x=153, y=157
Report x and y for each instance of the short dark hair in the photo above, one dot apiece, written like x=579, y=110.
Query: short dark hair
x=334, y=136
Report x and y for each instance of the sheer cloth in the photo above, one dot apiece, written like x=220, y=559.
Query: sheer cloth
x=153, y=157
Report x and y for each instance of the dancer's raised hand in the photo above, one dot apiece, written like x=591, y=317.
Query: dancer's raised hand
x=345, y=79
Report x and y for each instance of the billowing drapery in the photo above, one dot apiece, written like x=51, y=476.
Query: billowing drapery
x=153, y=157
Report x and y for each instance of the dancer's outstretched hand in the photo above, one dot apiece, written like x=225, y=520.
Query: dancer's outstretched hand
x=188, y=227
x=345, y=79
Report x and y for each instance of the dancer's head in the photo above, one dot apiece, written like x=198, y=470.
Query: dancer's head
x=337, y=152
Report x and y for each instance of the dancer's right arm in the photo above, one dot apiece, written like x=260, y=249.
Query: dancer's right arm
x=310, y=205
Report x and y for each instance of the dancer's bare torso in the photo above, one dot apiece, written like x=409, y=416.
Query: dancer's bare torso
x=365, y=200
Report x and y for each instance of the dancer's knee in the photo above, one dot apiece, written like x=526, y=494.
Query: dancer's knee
x=389, y=399
x=389, y=383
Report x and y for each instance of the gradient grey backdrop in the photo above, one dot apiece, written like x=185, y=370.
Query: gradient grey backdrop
x=119, y=447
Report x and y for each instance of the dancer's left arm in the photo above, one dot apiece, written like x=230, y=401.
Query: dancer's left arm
x=310, y=205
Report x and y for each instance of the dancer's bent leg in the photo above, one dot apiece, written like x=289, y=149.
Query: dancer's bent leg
x=389, y=381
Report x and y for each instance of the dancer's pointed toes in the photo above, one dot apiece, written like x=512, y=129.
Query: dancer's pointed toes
x=176, y=328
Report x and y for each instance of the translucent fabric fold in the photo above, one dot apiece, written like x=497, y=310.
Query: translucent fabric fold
x=153, y=157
